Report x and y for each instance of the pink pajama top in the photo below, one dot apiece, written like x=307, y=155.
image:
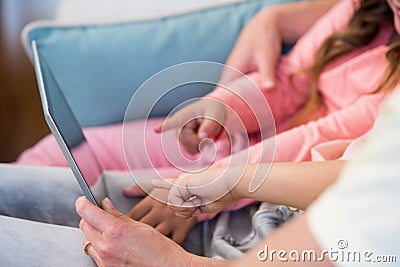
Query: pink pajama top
x=346, y=86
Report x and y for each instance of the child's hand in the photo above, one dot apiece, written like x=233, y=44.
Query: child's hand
x=200, y=120
x=163, y=219
x=210, y=191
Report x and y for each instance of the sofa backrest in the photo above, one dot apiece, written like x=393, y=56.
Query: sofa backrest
x=99, y=67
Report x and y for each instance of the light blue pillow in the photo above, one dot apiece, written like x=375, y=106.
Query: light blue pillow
x=99, y=67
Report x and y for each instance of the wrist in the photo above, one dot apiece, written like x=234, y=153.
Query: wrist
x=241, y=190
x=257, y=172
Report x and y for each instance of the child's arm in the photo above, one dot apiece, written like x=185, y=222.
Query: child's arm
x=295, y=145
x=292, y=184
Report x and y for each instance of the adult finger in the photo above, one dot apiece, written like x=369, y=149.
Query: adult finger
x=267, y=59
x=240, y=60
x=266, y=65
x=108, y=206
x=93, y=254
x=91, y=233
x=95, y=216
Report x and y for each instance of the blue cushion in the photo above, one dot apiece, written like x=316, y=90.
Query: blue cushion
x=99, y=67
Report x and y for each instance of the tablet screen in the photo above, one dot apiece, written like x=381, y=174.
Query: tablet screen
x=67, y=129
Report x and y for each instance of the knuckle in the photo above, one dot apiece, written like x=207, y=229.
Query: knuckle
x=115, y=230
x=104, y=250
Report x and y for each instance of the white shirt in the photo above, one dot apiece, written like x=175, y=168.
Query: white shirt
x=361, y=212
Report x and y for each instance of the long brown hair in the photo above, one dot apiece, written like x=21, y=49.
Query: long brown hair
x=361, y=30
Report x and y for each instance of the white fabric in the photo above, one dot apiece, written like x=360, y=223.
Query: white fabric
x=337, y=149
x=362, y=207
x=93, y=11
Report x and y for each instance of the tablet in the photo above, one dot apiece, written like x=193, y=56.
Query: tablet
x=68, y=132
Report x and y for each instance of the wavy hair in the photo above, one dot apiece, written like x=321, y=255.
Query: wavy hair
x=363, y=27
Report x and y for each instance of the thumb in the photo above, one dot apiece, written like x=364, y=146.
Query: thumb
x=108, y=206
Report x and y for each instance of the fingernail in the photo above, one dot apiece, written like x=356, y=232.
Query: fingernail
x=268, y=84
x=107, y=204
x=80, y=203
x=202, y=135
x=80, y=200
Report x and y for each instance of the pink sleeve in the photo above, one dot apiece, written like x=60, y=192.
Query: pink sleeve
x=245, y=101
x=295, y=144
x=347, y=123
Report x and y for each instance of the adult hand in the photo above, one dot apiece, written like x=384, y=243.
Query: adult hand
x=259, y=45
x=200, y=120
x=210, y=191
x=117, y=240
x=258, y=48
x=157, y=214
